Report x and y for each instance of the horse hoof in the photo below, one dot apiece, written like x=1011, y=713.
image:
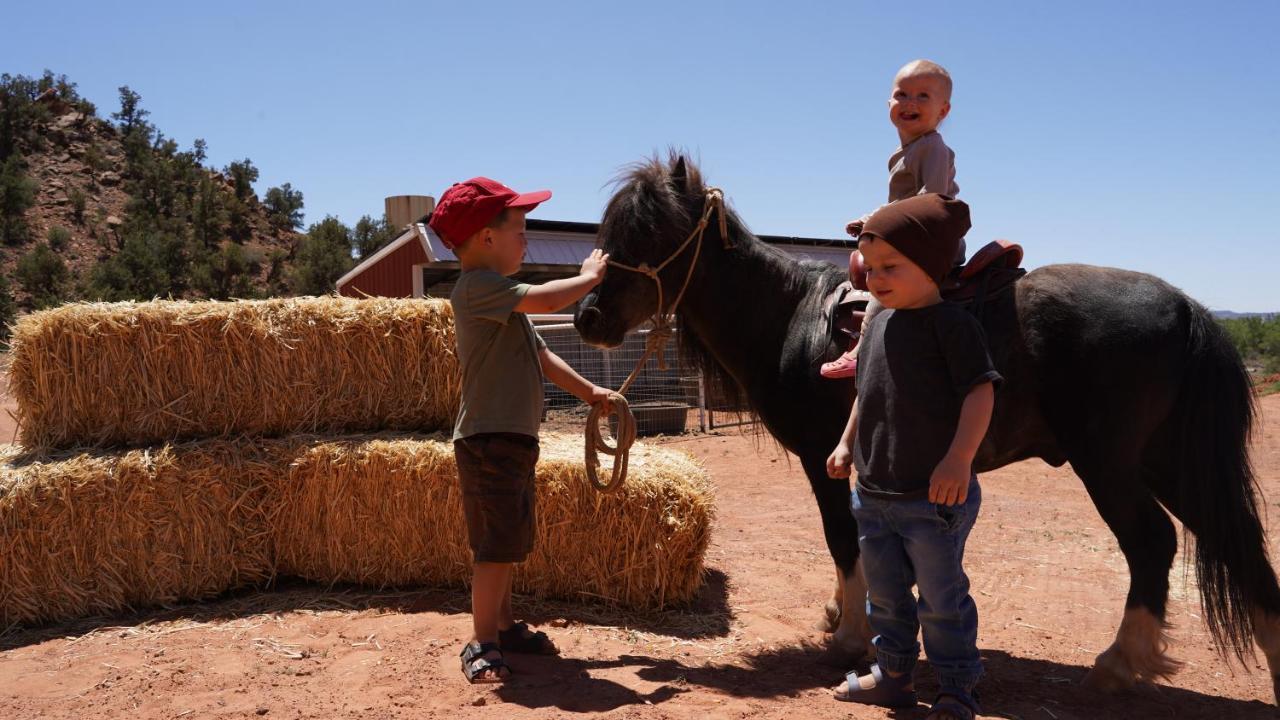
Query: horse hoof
x=837, y=656
x=1110, y=673
x=830, y=619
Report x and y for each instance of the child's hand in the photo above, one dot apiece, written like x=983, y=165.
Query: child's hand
x=854, y=228
x=839, y=461
x=594, y=266
x=600, y=396
x=949, y=484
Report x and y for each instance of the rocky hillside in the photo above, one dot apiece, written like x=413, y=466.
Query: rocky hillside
x=97, y=196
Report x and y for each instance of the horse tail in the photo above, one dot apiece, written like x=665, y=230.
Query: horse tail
x=1215, y=485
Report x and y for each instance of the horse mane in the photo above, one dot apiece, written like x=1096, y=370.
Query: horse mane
x=655, y=201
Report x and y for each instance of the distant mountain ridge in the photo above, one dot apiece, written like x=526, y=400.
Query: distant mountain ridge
x=1229, y=314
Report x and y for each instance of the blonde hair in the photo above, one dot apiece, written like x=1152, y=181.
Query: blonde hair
x=926, y=68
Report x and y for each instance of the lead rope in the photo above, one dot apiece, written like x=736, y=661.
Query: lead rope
x=655, y=344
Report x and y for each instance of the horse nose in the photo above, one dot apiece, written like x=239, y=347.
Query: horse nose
x=588, y=316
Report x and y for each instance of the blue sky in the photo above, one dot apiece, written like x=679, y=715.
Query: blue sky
x=1142, y=135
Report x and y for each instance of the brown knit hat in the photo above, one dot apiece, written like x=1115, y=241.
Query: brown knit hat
x=926, y=228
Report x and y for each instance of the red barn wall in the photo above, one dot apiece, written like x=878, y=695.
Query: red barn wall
x=392, y=276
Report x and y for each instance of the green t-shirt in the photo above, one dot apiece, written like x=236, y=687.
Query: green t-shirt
x=498, y=352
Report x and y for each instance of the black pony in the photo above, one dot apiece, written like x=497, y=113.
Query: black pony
x=1115, y=372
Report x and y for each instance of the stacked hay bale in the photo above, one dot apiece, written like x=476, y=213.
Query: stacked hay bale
x=92, y=531
x=109, y=374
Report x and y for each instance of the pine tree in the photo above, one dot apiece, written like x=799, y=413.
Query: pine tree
x=323, y=256
x=372, y=235
x=285, y=206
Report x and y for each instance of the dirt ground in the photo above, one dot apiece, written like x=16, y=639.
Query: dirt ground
x=1047, y=576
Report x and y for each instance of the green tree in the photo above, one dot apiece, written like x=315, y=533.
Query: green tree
x=8, y=309
x=372, y=235
x=17, y=193
x=243, y=175
x=131, y=115
x=66, y=91
x=277, y=276
x=96, y=161
x=149, y=265
x=135, y=132
x=227, y=273
x=1257, y=339
x=324, y=255
x=44, y=276
x=20, y=115
x=208, y=214
x=284, y=205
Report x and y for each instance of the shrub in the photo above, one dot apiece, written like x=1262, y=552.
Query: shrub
x=78, y=203
x=44, y=276
x=58, y=237
x=17, y=193
x=8, y=309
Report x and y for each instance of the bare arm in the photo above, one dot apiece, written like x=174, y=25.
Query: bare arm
x=556, y=294
x=558, y=371
x=949, y=484
x=842, y=457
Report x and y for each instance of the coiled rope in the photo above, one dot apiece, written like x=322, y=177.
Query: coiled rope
x=655, y=344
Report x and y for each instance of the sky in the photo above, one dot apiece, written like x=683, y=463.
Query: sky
x=1141, y=135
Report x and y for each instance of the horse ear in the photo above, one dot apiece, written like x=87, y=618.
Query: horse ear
x=680, y=174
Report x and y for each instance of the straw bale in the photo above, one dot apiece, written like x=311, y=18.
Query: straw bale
x=108, y=374
x=91, y=533
x=387, y=512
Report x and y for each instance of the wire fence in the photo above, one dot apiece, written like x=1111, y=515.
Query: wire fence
x=666, y=402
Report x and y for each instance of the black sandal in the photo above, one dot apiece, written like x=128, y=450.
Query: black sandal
x=518, y=639
x=962, y=706
x=481, y=670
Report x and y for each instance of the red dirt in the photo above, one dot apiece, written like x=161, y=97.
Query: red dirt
x=8, y=426
x=1048, y=578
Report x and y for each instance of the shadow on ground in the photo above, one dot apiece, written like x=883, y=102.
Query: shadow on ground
x=1015, y=687
x=708, y=615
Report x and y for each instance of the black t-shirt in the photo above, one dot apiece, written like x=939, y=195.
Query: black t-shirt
x=915, y=368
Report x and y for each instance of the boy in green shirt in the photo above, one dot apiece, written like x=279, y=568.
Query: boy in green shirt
x=495, y=439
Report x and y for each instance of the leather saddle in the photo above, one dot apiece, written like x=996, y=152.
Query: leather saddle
x=992, y=270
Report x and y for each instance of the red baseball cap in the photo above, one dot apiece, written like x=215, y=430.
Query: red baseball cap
x=466, y=207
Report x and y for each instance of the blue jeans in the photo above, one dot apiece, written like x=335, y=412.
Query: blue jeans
x=916, y=542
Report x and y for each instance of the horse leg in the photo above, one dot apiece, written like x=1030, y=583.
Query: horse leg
x=834, y=608
x=1253, y=565
x=1149, y=542
x=845, y=614
x=852, y=635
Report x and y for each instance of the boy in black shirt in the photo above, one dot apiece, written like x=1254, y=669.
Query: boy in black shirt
x=925, y=395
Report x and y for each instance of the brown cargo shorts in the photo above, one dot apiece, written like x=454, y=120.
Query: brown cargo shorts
x=496, y=472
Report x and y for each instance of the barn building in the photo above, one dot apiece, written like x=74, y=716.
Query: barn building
x=417, y=264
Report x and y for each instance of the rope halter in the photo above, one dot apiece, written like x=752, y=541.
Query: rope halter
x=655, y=344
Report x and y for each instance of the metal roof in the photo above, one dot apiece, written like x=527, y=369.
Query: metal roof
x=544, y=247
x=561, y=242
